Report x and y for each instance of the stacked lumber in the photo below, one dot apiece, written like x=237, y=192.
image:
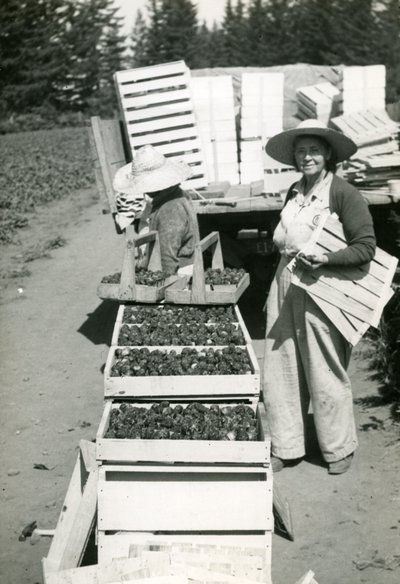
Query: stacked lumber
x=157, y=108
x=377, y=160
x=214, y=111
x=320, y=101
x=261, y=117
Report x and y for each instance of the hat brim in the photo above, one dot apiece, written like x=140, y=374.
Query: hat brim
x=169, y=174
x=281, y=145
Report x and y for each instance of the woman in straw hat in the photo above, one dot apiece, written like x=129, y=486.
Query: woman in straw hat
x=306, y=357
x=171, y=211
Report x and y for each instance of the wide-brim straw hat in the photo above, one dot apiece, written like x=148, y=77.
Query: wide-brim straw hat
x=281, y=146
x=150, y=171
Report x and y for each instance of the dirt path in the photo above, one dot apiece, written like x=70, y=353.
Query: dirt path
x=55, y=334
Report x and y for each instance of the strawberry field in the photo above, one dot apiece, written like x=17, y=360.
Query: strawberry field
x=39, y=167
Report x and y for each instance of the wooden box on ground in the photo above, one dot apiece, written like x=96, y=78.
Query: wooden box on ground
x=238, y=322
x=128, y=289
x=112, y=450
x=175, y=387
x=197, y=292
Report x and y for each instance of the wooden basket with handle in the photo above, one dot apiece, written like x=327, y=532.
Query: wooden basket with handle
x=196, y=291
x=128, y=289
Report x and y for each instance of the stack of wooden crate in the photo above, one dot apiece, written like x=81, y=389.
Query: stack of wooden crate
x=362, y=87
x=157, y=109
x=320, y=101
x=214, y=492
x=215, y=114
x=377, y=160
x=261, y=117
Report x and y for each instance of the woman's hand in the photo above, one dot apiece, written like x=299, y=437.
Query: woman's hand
x=312, y=261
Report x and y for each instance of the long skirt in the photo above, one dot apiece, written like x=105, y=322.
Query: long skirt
x=305, y=359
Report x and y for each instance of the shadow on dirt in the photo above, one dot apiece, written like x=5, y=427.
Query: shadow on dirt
x=99, y=325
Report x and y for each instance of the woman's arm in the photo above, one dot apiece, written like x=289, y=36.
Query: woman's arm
x=358, y=228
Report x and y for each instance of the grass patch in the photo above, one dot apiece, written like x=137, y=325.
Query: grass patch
x=39, y=167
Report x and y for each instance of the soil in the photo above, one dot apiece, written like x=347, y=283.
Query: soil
x=55, y=335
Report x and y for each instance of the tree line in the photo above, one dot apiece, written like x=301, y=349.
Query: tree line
x=58, y=56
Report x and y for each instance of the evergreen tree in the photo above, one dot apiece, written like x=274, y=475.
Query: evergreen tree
x=95, y=49
x=155, y=51
x=235, y=34
x=33, y=59
x=388, y=23
x=139, y=42
x=112, y=48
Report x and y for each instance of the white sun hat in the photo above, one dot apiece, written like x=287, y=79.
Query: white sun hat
x=150, y=171
x=281, y=145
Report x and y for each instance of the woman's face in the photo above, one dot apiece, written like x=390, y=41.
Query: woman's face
x=311, y=155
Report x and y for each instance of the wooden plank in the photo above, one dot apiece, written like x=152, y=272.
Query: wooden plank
x=66, y=519
x=198, y=500
x=308, y=578
x=110, y=154
x=78, y=537
x=156, y=138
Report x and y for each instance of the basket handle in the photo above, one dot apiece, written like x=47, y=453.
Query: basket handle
x=127, y=287
x=212, y=241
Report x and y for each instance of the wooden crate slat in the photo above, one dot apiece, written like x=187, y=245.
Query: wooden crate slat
x=150, y=126
x=192, y=145
x=180, y=96
x=156, y=138
x=123, y=499
x=159, y=112
x=151, y=72
x=154, y=85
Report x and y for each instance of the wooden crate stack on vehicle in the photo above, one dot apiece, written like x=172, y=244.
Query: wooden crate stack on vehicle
x=215, y=115
x=320, y=101
x=362, y=87
x=157, y=108
x=261, y=117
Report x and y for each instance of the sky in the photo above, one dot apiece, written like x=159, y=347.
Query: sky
x=208, y=10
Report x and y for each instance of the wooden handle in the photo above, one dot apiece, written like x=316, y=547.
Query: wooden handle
x=198, y=295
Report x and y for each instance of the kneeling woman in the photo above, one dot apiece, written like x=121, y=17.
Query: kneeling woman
x=306, y=357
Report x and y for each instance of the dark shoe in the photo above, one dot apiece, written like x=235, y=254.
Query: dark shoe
x=278, y=464
x=340, y=466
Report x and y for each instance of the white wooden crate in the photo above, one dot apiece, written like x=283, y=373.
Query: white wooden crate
x=118, y=325
x=183, y=386
x=214, y=109
x=115, y=450
x=157, y=109
x=184, y=498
